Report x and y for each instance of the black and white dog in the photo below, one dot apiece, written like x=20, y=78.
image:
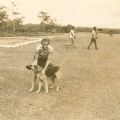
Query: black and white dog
x=52, y=73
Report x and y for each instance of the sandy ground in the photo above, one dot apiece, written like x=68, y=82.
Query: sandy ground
x=90, y=85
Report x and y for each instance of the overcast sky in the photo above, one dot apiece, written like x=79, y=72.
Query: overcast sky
x=100, y=13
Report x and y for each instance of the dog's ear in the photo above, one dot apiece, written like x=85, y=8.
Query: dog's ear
x=28, y=67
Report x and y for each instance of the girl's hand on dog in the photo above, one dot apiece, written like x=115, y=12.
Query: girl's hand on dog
x=43, y=72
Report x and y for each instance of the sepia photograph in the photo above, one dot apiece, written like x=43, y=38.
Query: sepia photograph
x=59, y=59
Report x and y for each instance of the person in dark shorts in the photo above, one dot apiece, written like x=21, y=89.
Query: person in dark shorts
x=93, y=38
x=41, y=65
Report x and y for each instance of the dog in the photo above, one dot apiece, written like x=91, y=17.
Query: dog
x=52, y=73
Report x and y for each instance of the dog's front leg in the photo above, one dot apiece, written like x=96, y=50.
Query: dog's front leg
x=40, y=80
x=39, y=86
x=33, y=83
x=46, y=84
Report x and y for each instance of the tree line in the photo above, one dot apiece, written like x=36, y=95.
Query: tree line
x=14, y=25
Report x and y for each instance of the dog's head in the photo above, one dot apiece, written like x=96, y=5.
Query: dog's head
x=34, y=68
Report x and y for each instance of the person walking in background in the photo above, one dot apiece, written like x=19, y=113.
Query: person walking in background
x=72, y=37
x=93, y=38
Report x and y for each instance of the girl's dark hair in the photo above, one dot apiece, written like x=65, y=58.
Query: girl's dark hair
x=45, y=40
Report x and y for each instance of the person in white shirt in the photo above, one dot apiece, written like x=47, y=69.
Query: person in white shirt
x=93, y=38
x=72, y=37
